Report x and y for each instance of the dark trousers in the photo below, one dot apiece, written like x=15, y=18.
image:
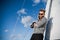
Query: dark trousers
x=37, y=37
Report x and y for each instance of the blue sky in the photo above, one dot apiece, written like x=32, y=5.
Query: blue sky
x=16, y=17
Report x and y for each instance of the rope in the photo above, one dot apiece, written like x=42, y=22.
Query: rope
x=14, y=30
x=18, y=17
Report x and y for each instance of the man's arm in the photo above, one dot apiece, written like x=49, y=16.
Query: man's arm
x=42, y=23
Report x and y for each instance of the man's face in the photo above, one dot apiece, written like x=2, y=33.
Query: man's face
x=41, y=14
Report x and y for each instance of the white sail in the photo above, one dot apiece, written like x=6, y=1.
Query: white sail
x=55, y=14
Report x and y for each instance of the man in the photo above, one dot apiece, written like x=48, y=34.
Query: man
x=39, y=26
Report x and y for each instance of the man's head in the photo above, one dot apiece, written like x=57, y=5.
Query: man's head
x=41, y=14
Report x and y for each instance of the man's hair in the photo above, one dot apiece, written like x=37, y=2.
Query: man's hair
x=42, y=10
x=39, y=13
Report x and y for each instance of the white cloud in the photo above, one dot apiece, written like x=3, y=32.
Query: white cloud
x=22, y=11
x=36, y=2
x=44, y=0
x=26, y=20
x=6, y=30
x=15, y=36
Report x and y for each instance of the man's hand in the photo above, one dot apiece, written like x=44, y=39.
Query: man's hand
x=33, y=25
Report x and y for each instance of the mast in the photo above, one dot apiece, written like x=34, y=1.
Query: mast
x=48, y=12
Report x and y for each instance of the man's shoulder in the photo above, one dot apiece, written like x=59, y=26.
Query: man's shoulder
x=44, y=19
